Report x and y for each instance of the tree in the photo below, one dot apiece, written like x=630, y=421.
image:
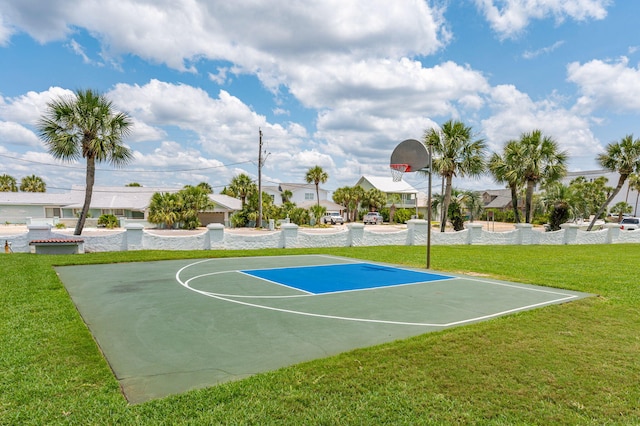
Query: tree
x=206, y=187
x=455, y=154
x=373, y=199
x=588, y=196
x=506, y=168
x=193, y=200
x=88, y=126
x=242, y=186
x=8, y=183
x=634, y=183
x=134, y=184
x=316, y=176
x=622, y=157
x=472, y=201
x=32, y=183
x=164, y=208
x=286, y=196
x=557, y=199
x=541, y=161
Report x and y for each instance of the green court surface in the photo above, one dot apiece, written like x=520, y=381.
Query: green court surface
x=171, y=326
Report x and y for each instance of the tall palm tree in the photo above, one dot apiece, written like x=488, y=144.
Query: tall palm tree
x=634, y=183
x=316, y=176
x=455, y=154
x=542, y=161
x=32, y=183
x=242, y=186
x=622, y=157
x=8, y=183
x=88, y=126
x=506, y=168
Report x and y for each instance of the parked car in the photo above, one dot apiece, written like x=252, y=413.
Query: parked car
x=373, y=218
x=630, y=223
x=333, y=218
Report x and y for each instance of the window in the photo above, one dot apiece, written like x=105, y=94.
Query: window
x=309, y=196
x=52, y=212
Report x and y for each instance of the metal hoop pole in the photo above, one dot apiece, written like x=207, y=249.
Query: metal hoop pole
x=429, y=212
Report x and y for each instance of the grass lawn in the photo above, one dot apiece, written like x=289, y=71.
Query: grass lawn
x=577, y=363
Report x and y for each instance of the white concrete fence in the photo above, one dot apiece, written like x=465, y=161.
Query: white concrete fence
x=136, y=237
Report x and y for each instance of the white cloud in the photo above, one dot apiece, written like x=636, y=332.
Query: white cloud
x=611, y=85
x=531, y=54
x=510, y=17
x=28, y=108
x=14, y=133
x=515, y=113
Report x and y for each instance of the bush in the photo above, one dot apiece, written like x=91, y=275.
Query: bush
x=108, y=221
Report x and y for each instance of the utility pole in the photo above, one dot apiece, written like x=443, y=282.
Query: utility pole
x=259, y=218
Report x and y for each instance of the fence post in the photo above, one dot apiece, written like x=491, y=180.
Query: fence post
x=39, y=232
x=613, y=232
x=570, y=232
x=289, y=235
x=216, y=236
x=475, y=232
x=134, y=236
x=525, y=233
x=356, y=234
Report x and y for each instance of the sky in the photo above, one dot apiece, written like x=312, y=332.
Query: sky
x=337, y=84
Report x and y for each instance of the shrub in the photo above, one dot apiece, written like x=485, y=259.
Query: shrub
x=108, y=221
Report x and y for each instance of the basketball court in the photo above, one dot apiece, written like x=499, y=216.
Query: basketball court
x=170, y=326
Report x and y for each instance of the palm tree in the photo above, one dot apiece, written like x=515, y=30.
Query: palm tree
x=286, y=196
x=472, y=201
x=86, y=126
x=193, y=200
x=8, y=183
x=634, y=183
x=242, y=186
x=506, y=168
x=558, y=199
x=32, y=183
x=316, y=176
x=455, y=154
x=164, y=208
x=622, y=157
x=541, y=161
x=206, y=187
x=374, y=199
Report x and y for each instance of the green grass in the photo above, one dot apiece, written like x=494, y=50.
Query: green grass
x=577, y=363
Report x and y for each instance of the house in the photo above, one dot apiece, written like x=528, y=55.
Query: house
x=129, y=203
x=499, y=199
x=302, y=193
x=406, y=196
x=626, y=194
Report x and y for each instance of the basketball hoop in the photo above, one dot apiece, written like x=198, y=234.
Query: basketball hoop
x=398, y=170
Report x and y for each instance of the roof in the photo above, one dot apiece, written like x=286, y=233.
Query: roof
x=117, y=197
x=226, y=202
x=298, y=186
x=35, y=198
x=387, y=185
x=499, y=202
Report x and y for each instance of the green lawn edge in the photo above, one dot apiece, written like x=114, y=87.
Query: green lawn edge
x=576, y=363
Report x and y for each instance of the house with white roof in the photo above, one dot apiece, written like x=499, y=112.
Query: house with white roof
x=129, y=203
x=406, y=194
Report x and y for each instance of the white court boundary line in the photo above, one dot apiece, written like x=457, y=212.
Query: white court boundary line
x=226, y=298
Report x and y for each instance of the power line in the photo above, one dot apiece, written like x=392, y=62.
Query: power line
x=127, y=170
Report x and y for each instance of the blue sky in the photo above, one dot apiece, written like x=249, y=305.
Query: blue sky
x=335, y=84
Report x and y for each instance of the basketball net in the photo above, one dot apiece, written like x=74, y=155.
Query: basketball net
x=398, y=170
